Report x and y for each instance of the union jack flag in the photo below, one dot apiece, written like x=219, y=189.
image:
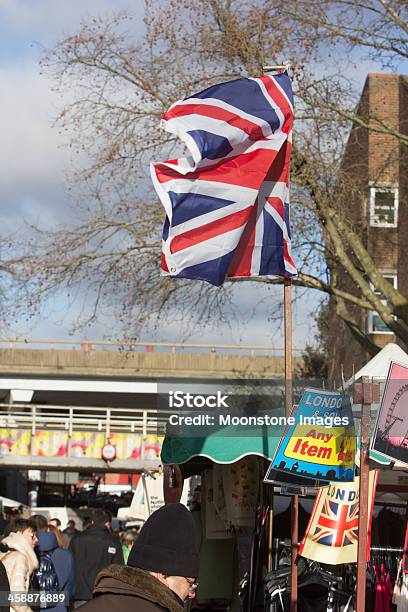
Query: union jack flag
x=227, y=203
x=337, y=524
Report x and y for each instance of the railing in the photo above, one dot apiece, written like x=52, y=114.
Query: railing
x=92, y=345
x=81, y=418
x=75, y=437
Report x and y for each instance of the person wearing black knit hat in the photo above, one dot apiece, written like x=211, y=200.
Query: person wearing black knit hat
x=161, y=571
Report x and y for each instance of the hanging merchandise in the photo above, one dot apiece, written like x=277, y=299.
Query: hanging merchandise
x=388, y=528
x=241, y=485
x=149, y=496
x=383, y=589
x=219, y=493
x=400, y=595
x=214, y=586
x=215, y=527
x=332, y=533
x=320, y=441
x=404, y=556
x=391, y=431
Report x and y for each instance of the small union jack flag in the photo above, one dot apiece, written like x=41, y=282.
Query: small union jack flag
x=337, y=524
x=227, y=204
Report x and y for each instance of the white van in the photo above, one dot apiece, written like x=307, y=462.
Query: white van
x=62, y=513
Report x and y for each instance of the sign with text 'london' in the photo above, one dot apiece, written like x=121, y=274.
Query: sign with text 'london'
x=332, y=533
x=320, y=442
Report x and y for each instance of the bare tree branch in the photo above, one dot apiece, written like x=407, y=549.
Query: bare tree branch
x=119, y=88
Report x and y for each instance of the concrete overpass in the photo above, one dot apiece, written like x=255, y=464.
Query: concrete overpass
x=141, y=360
x=62, y=401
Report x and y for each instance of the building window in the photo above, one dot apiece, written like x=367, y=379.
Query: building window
x=375, y=324
x=383, y=207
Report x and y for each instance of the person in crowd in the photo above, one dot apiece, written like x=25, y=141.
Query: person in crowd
x=5, y=523
x=20, y=560
x=4, y=588
x=86, y=522
x=55, y=522
x=161, y=570
x=94, y=549
x=56, y=571
x=62, y=542
x=40, y=521
x=70, y=530
x=128, y=539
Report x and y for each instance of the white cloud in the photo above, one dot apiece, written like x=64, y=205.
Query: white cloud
x=51, y=18
x=33, y=156
x=34, y=163
x=32, y=151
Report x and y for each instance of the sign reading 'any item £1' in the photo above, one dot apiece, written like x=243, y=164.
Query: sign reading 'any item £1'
x=320, y=440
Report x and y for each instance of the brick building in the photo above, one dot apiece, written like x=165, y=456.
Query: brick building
x=377, y=165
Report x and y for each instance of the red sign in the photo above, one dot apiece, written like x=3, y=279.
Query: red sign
x=109, y=452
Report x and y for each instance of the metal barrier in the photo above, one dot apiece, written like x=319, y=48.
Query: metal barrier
x=173, y=347
x=81, y=418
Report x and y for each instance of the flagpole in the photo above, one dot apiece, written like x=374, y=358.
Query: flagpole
x=366, y=401
x=287, y=307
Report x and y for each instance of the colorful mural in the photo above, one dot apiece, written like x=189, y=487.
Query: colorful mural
x=14, y=441
x=81, y=444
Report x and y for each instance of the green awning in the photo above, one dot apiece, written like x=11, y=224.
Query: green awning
x=227, y=449
x=219, y=448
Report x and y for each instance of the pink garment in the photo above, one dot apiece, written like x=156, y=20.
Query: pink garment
x=383, y=593
x=388, y=591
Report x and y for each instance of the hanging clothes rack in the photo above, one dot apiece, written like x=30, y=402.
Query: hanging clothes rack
x=390, y=549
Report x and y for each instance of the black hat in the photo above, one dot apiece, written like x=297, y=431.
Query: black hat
x=167, y=543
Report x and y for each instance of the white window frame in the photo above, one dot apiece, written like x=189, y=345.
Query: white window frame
x=372, y=313
x=374, y=222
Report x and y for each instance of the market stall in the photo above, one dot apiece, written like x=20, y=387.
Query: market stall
x=235, y=519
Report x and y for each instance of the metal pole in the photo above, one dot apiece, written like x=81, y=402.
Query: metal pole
x=287, y=295
x=287, y=304
x=366, y=402
x=404, y=550
x=270, y=530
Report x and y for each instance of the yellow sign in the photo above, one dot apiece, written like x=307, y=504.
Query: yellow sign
x=322, y=445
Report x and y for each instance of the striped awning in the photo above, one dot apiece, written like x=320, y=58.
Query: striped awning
x=219, y=448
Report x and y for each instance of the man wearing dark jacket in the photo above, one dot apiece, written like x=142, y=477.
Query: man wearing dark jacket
x=70, y=531
x=93, y=550
x=4, y=589
x=161, y=571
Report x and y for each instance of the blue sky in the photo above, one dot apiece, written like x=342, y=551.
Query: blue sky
x=35, y=165
x=26, y=26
